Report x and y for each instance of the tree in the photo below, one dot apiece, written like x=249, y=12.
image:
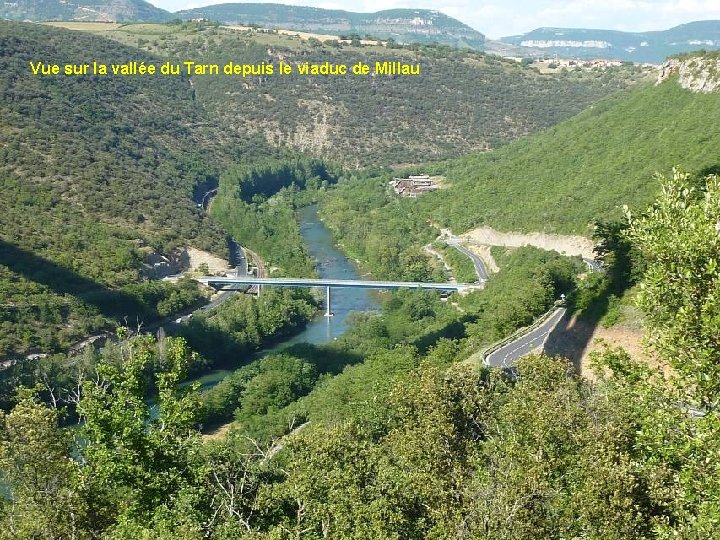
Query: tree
x=140, y=469
x=47, y=495
x=679, y=238
x=558, y=461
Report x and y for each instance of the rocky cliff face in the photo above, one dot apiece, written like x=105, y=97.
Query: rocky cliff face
x=697, y=74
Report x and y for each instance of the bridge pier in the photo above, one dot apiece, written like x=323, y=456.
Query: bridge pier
x=328, y=311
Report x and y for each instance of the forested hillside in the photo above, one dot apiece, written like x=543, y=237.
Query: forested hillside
x=461, y=101
x=95, y=174
x=562, y=180
x=97, y=10
x=122, y=157
x=583, y=169
x=395, y=428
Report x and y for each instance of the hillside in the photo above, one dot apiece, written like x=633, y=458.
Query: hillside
x=402, y=25
x=651, y=47
x=587, y=167
x=462, y=101
x=388, y=423
x=95, y=173
x=559, y=181
x=61, y=10
x=100, y=173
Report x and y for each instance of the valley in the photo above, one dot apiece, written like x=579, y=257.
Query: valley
x=508, y=216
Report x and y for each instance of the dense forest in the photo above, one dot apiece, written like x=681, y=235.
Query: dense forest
x=127, y=159
x=256, y=203
x=392, y=435
x=396, y=429
x=463, y=101
x=383, y=231
x=531, y=186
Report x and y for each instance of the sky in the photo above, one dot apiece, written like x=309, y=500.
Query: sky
x=496, y=18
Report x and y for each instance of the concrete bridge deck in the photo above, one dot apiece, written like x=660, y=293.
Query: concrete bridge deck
x=236, y=282
x=225, y=283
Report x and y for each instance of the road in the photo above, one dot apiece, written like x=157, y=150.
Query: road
x=593, y=265
x=238, y=258
x=507, y=355
x=207, y=198
x=477, y=261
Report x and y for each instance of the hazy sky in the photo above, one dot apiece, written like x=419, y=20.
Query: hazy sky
x=497, y=18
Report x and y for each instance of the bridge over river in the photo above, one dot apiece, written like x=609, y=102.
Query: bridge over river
x=234, y=283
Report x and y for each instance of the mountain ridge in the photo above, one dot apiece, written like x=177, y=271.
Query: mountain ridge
x=586, y=168
x=405, y=26
x=402, y=25
x=83, y=10
x=651, y=47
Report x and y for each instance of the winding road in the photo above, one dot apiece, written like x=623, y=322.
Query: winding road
x=507, y=355
x=480, y=269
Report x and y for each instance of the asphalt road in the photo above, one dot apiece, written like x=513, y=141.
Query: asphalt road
x=593, y=265
x=477, y=261
x=238, y=258
x=507, y=355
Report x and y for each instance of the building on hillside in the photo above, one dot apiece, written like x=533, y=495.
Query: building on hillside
x=413, y=185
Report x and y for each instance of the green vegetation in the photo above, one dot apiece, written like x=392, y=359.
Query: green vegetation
x=124, y=160
x=679, y=237
x=406, y=442
x=417, y=321
x=226, y=334
x=398, y=24
x=611, y=152
x=702, y=53
x=329, y=117
x=95, y=174
x=382, y=231
x=403, y=434
x=257, y=205
x=463, y=268
x=108, y=10
x=529, y=281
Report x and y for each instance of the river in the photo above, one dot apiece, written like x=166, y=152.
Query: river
x=330, y=263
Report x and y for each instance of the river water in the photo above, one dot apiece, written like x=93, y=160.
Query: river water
x=330, y=263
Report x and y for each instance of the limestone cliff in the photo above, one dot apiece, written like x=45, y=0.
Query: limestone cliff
x=697, y=73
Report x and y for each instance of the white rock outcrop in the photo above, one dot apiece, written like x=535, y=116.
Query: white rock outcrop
x=697, y=74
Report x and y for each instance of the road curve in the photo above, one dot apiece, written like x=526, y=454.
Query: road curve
x=593, y=265
x=507, y=355
x=477, y=261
